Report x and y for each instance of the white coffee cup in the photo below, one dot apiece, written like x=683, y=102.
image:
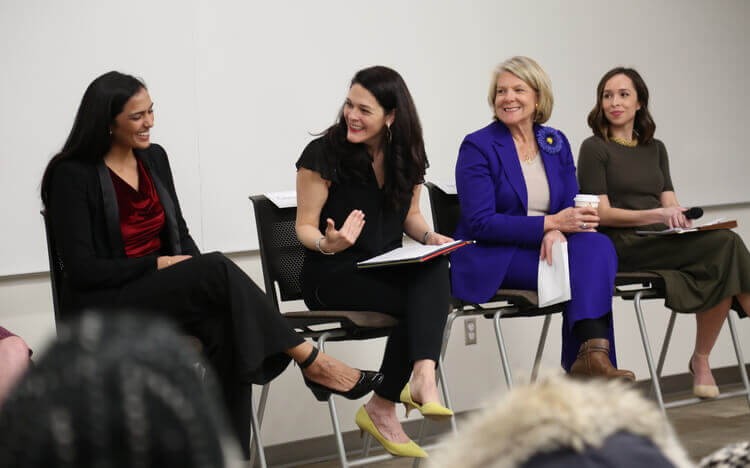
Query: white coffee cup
x=584, y=200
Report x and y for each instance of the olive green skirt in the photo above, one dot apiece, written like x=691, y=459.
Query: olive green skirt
x=699, y=268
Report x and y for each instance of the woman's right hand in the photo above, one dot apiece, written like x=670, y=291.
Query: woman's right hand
x=575, y=219
x=337, y=240
x=166, y=261
x=674, y=216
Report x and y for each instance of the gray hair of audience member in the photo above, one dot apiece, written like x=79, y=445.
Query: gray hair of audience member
x=115, y=390
x=560, y=422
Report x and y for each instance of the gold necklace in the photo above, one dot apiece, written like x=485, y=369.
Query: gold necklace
x=622, y=141
x=529, y=159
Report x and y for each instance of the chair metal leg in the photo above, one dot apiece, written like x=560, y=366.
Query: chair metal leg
x=740, y=357
x=447, y=330
x=442, y=380
x=647, y=349
x=540, y=348
x=256, y=424
x=334, y=416
x=503, y=351
x=665, y=344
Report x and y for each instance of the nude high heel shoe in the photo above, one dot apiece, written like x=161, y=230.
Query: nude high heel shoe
x=700, y=390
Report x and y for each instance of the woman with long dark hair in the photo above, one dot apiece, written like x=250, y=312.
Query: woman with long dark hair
x=358, y=188
x=705, y=273
x=123, y=242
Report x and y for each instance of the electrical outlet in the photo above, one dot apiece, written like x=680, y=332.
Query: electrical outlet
x=470, y=331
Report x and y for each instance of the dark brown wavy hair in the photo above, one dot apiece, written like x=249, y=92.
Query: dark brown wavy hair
x=405, y=159
x=643, y=126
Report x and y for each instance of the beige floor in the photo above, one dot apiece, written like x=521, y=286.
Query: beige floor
x=702, y=429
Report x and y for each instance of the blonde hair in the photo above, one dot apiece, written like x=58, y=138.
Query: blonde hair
x=533, y=75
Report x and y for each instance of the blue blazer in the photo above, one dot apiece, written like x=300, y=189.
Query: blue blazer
x=494, y=204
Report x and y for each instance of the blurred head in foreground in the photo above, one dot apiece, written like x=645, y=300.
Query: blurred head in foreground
x=562, y=422
x=115, y=391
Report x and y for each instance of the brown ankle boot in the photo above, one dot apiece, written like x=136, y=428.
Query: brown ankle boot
x=593, y=361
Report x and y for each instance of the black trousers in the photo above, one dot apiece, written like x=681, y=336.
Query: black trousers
x=243, y=335
x=418, y=295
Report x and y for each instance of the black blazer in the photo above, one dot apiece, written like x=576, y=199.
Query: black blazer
x=85, y=223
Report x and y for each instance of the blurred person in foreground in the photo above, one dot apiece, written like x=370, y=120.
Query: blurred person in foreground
x=116, y=391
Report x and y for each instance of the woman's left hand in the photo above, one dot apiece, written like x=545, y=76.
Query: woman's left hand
x=547, y=241
x=435, y=238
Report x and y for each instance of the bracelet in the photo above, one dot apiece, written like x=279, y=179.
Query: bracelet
x=320, y=249
x=426, y=236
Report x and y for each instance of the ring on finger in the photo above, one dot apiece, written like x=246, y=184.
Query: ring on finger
x=584, y=226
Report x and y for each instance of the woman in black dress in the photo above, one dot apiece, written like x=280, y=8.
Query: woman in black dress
x=123, y=242
x=358, y=190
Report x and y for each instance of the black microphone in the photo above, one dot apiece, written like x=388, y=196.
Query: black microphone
x=693, y=213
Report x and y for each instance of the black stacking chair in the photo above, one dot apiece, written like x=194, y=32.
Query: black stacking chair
x=635, y=286
x=507, y=303
x=281, y=256
x=56, y=269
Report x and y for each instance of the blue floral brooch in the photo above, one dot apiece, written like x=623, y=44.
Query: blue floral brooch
x=549, y=140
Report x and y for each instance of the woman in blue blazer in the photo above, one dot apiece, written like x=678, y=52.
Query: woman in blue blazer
x=516, y=182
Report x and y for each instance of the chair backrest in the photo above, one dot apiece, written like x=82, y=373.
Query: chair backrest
x=281, y=253
x=56, y=268
x=445, y=209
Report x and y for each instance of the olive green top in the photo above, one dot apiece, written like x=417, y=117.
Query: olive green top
x=632, y=178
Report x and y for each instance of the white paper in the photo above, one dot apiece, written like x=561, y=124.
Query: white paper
x=681, y=230
x=408, y=252
x=285, y=199
x=553, y=281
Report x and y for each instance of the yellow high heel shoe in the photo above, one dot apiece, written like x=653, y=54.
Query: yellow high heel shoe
x=407, y=449
x=431, y=409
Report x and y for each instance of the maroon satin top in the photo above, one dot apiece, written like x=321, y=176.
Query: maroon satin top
x=141, y=214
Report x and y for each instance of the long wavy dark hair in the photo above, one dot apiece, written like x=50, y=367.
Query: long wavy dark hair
x=90, y=139
x=405, y=160
x=643, y=126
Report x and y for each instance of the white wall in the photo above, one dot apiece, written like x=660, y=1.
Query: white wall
x=238, y=86
x=474, y=372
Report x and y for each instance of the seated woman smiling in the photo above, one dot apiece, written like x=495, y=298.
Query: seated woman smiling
x=516, y=182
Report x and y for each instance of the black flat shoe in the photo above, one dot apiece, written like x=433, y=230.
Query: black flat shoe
x=368, y=381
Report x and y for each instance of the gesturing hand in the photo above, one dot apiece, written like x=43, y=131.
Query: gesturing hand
x=342, y=239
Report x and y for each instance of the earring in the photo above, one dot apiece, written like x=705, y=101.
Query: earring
x=388, y=133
